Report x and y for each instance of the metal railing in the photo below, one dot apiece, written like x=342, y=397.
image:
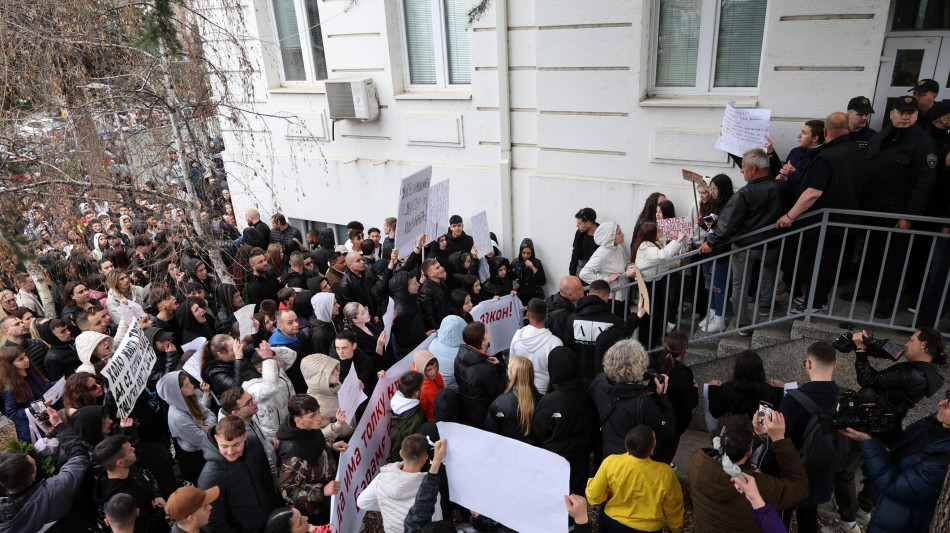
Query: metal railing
x=817, y=254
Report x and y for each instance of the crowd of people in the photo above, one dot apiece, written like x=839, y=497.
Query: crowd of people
x=249, y=441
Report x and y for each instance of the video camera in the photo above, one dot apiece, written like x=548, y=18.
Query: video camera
x=648, y=375
x=878, y=348
x=850, y=411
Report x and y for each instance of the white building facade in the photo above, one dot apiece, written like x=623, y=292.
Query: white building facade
x=542, y=107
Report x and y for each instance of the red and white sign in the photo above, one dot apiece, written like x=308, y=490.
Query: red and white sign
x=502, y=317
x=672, y=226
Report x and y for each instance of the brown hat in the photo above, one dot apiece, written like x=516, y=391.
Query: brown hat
x=186, y=500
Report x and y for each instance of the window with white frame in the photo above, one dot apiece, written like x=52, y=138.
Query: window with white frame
x=436, y=43
x=300, y=40
x=707, y=46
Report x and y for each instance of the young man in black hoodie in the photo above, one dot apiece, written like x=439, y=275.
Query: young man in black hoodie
x=456, y=239
x=592, y=317
x=116, y=456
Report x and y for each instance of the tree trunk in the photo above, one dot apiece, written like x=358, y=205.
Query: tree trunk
x=941, y=520
x=39, y=278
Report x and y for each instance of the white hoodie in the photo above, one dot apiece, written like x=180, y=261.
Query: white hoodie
x=392, y=493
x=535, y=344
x=609, y=258
x=400, y=404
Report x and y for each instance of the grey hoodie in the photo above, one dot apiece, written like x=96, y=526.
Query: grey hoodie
x=187, y=433
x=446, y=346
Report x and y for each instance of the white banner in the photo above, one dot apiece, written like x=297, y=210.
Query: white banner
x=368, y=450
x=502, y=317
x=516, y=472
x=480, y=234
x=388, y=317
x=350, y=396
x=127, y=372
x=411, y=217
x=672, y=226
x=437, y=212
x=743, y=129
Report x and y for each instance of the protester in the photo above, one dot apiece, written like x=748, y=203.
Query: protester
x=480, y=377
x=23, y=385
x=425, y=362
x=683, y=391
x=190, y=508
x=746, y=390
x=446, y=346
x=189, y=418
x=511, y=413
x=609, y=262
x=223, y=364
x=404, y=411
x=535, y=342
x=322, y=374
x=528, y=272
x=115, y=455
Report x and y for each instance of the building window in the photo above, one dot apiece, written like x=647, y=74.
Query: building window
x=436, y=39
x=708, y=46
x=300, y=40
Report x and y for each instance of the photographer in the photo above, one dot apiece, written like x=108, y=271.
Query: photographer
x=909, y=476
x=896, y=388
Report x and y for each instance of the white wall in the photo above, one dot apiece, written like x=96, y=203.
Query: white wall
x=582, y=132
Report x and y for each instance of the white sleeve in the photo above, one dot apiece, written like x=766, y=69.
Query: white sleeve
x=591, y=270
x=367, y=498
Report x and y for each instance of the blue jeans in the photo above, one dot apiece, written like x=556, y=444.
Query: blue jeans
x=717, y=277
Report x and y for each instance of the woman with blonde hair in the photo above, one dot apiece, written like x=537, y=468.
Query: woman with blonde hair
x=370, y=337
x=511, y=413
x=121, y=288
x=275, y=258
x=23, y=384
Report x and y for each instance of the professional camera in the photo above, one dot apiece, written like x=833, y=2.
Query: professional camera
x=648, y=375
x=850, y=411
x=879, y=348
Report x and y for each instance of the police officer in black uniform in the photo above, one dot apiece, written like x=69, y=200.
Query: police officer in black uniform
x=859, y=114
x=925, y=92
x=902, y=162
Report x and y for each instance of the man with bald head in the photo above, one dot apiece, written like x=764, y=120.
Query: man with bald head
x=833, y=180
x=257, y=233
x=356, y=286
x=561, y=305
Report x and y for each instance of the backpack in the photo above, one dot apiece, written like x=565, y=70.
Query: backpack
x=820, y=452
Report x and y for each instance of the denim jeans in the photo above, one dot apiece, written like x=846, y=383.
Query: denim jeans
x=715, y=273
x=743, y=269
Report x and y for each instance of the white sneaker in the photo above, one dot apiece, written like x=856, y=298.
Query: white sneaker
x=702, y=323
x=717, y=324
x=670, y=326
x=862, y=517
x=840, y=527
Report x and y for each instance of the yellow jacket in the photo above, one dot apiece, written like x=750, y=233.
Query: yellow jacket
x=640, y=493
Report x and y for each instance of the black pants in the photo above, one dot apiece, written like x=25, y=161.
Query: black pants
x=189, y=464
x=834, y=240
x=807, y=519
x=893, y=263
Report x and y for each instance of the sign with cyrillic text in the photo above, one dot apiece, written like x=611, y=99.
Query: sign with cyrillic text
x=437, y=212
x=502, y=317
x=480, y=234
x=743, y=129
x=127, y=372
x=413, y=205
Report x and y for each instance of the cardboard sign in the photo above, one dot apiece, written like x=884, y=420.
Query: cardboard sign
x=672, y=226
x=694, y=177
x=642, y=288
x=502, y=317
x=128, y=369
x=413, y=205
x=480, y=234
x=368, y=450
x=437, y=212
x=743, y=129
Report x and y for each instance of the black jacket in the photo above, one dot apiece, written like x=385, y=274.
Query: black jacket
x=504, y=417
x=257, y=235
x=260, y=288
x=293, y=279
x=222, y=375
x=727, y=399
x=355, y=288
x=583, y=247
x=863, y=137
x=495, y=285
x=295, y=442
x=362, y=363
x=321, y=254
x=479, y=383
x=246, y=486
x=758, y=204
x=622, y=406
x=530, y=283
x=141, y=488
x=457, y=272
x=61, y=357
x=683, y=395
x=462, y=243
x=285, y=238
x=582, y=329
x=565, y=420
x=902, y=171
x=840, y=163
x=900, y=385
x=434, y=303
x=225, y=316
x=559, y=310
x=408, y=326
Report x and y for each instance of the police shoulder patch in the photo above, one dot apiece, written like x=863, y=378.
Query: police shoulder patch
x=931, y=160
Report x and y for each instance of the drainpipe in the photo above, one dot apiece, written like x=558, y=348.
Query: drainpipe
x=504, y=123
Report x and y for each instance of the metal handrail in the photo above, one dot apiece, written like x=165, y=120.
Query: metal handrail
x=820, y=221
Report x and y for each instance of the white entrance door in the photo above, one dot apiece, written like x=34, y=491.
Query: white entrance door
x=906, y=60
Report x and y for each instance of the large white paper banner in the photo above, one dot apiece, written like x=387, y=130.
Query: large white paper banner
x=368, y=450
x=672, y=226
x=743, y=129
x=502, y=317
x=413, y=203
x=527, y=483
x=245, y=320
x=388, y=317
x=350, y=396
x=127, y=372
x=437, y=213
x=480, y=234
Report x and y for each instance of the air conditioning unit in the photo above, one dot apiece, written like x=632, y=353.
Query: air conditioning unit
x=352, y=99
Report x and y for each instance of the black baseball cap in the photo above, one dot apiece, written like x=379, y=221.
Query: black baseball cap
x=861, y=104
x=905, y=102
x=926, y=86
x=939, y=109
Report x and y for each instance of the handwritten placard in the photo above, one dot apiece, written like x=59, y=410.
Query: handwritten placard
x=480, y=233
x=413, y=206
x=743, y=129
x=127, y=372
x=672, y=226
x=437, y=212
x=694, y=177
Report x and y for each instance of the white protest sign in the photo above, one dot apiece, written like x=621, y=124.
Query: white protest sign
x=130, y=311
x=743, y=129
x=672, y=226
x=368, y=449
x=195, y=345
x=127, y=372
x=437, y=212
x=55, y=392
x=534, y=478
x=193, y=366
x=502, y=317
x=480, y=234
x=388, y=317
x=350, y=396
x=411, y=217
x=245, y=320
